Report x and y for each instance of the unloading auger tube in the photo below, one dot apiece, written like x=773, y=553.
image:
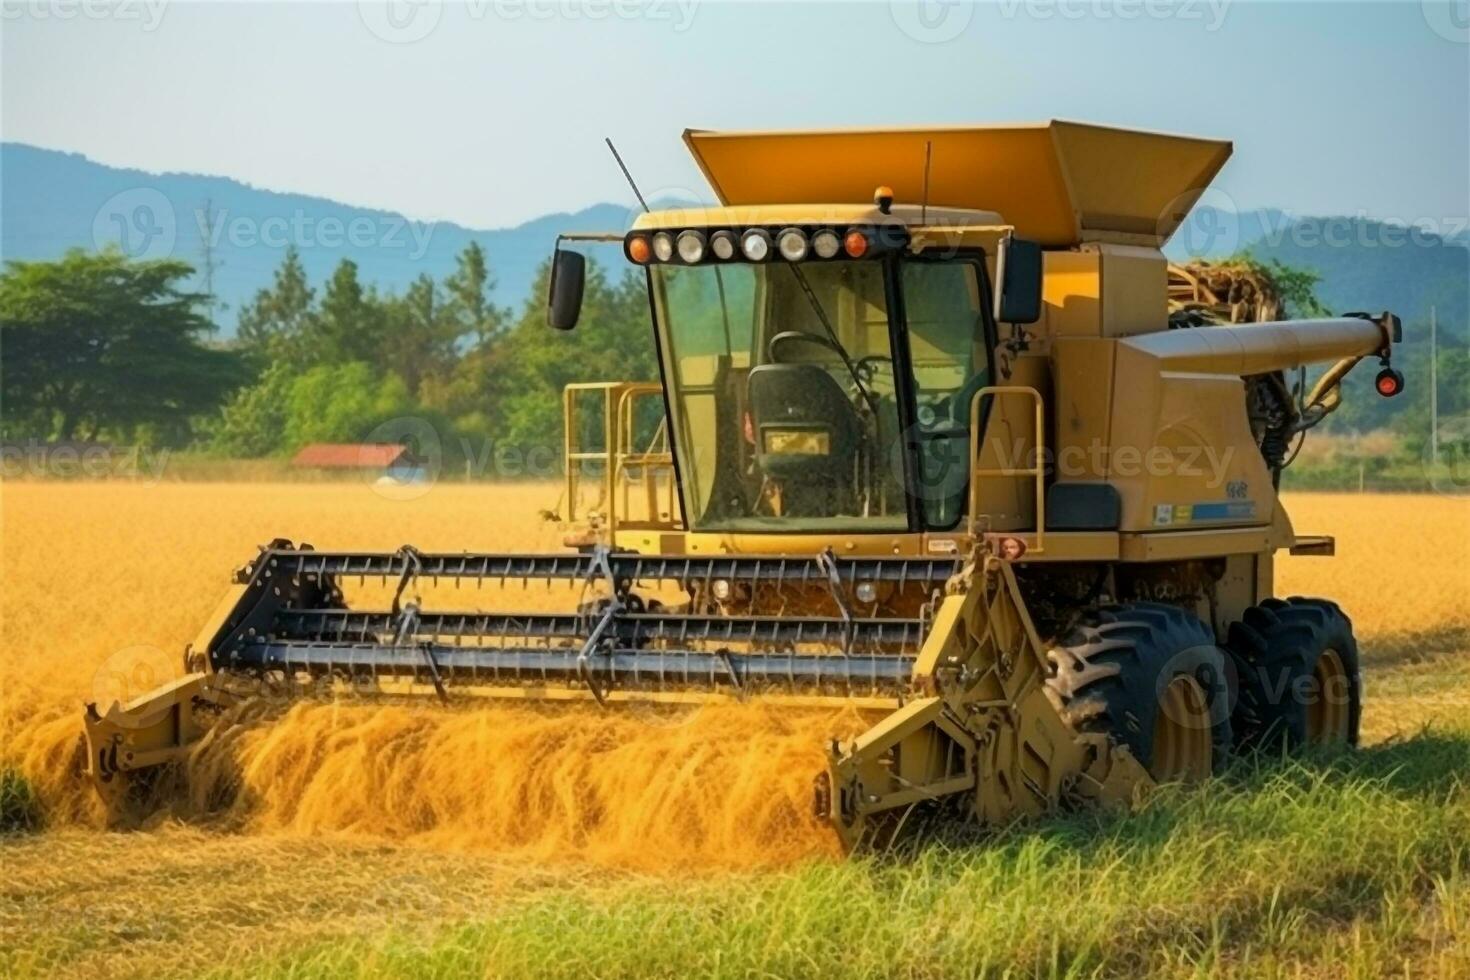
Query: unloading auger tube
x=967, y=722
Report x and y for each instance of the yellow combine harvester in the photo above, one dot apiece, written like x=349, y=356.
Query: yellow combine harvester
x=965, y=456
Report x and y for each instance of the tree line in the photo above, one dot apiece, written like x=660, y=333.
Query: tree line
x=97, y=347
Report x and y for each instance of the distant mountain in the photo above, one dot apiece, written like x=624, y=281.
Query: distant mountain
x=1362, y=264
x=52, y=201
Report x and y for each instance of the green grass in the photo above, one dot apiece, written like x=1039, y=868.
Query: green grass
x=20, y=808
x=1338, y=865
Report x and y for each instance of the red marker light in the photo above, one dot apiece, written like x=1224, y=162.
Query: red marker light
x=639, y=250
x=855, y=244
x=1389, y=382
x=1012, y=548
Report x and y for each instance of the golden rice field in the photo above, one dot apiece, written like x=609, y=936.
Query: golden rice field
x=370, y=841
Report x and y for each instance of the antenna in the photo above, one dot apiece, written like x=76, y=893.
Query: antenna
x=208, y=264
x=924, y=207
x=624, y=168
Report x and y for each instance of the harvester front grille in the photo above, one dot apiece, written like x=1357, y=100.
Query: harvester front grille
x=291, y=620
x=623, y=566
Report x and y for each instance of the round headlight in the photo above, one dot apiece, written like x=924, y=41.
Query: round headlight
x=866, y=592
x=663, y=246
x=690, y=245
x=722, y=243
x=826, y=243
x=721, y=589
x=792, y=245
x=756, y=244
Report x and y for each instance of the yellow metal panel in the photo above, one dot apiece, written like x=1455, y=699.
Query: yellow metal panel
x=1135, y=283
x=1182, y=455
x=965, y=221
x=1177, y=545
x=1083, y=367
x=1071, y=292
x=1136, y=182
x=713, y=543
x=1051, y=180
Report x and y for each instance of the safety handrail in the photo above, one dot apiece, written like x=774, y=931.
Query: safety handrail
x=649, y=460
x=1038, y=471
x=617, y=454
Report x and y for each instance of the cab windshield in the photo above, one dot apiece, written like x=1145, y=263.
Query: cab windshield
x=789, y=413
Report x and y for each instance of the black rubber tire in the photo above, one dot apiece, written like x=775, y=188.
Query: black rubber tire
x=1275, y=647
x=1110, y=673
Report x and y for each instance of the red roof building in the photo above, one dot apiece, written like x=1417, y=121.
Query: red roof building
x=350, y=456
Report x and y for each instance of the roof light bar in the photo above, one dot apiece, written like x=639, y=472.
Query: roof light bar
x=692, y=246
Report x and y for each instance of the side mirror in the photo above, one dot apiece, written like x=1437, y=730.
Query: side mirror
x=568, y=277
x=1019, y=272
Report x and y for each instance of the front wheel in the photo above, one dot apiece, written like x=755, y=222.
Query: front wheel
x=1150, y=677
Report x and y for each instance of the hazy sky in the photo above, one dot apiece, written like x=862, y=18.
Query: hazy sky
x=492, y=112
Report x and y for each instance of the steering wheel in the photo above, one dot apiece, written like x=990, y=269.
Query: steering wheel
x=867, y=367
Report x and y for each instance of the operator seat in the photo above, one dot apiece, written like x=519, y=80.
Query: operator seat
x=797, y=412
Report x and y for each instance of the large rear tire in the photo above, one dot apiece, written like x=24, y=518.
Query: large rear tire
x=1150, y=677
x=1300, y=682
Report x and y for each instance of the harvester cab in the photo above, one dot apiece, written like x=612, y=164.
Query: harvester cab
x=940, y=434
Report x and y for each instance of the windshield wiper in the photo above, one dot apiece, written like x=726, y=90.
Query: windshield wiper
x=852, y=371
